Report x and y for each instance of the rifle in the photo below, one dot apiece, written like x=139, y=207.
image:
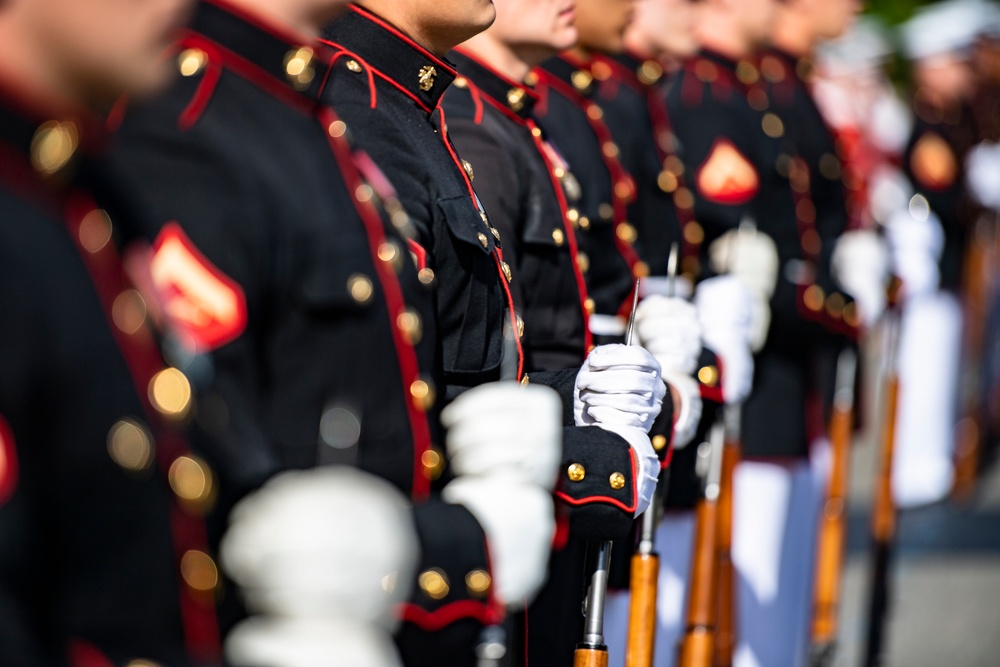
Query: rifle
x=830, y=548
x=725, y=635
x=884, y=517
x=698, y=644
x=645, y=567
x=592, y=651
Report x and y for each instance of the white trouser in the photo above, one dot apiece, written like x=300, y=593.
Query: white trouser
x=675, y=544
x=775, y=522
x=929, y=358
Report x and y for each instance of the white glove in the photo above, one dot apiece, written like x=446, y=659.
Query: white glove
x=283, y=642
x=750, y=256
x=915, y=243
x=506, y=429
x=647, y=462
x=519, y=521
x=726, y=310
x=618, y=384
x=668, y=327
x=982, y=167
x=860, y=265
x=322, y=544
x=687, y=417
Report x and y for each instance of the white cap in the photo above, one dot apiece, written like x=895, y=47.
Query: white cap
x=947, y=27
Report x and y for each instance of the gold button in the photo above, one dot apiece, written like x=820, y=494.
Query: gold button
x=708, y=375
x=423, y=394
x=835, y=304
x=659, y=442
x=851, y=316
x=478, y=583
x=772, y=125
x=483, y=240
x=582, y=262
x=170, y=393
x=520, y=327
x=606, y=211
x=389, y=253
x=684, y=199
x=601, y=70
x=536, y=132
x=747, y=73
x=337, y=129
x=640, y=270
x=595, y=112
x=53, y=146
x=433, y=464
x=650, y=72
x=364, y=193
x=95, y=231
x=693, y=233
x=531, y=79
x=576, y=472
x=426, y=276
x=191, y=61
x=674, y=165
x=558, y=236
x=434, y=584
x=298, y=67
x=192, y=482
x=814, y=298
x=609, y=149
x=515, y=99
x=425, y=78
x=410, y=326
x=361, y=288
x=142, y=663
x=584, y=222
x=667, y=181
x=617, y=481
x=625, y=188
x=626, y=233
x=353, y=65
x=589, y=306
x=573, y=215
x=461, y=82
x=199, y=571
x=130, y=445
x=581, y=80
x=505, y=267
x=129, y=311
x=467, y=166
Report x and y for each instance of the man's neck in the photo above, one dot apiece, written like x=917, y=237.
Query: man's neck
x=511, y=61
x=716, y=36
x=638, y=44
x=792, y=35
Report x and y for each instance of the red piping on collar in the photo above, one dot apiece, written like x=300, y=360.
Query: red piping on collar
x=395, y=31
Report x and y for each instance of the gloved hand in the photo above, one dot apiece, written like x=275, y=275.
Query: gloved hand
x=726, y=312
x=294, y=549
x=506, y=429
x=915, y=243
x=750, y=256
x=982, y=168
x=504, y=442
x=686, y=419
x=267, y=641
x=519, y=521
x=668, y=327
x=860, y=265
x=618, y=384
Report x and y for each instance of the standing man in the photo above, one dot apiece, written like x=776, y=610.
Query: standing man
x=740, y=169
x=309, y=332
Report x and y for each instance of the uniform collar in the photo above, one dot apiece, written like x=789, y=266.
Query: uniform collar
x=283, y=55
x=49, y=139
x=777, y=65
x=573, y=71
x=509, y=95
x=647, y=71
x=410, y=67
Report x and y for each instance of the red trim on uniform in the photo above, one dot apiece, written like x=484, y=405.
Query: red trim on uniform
x=8, y=462
x=206, y=88
x=581, y=283
x=590, y=500
x=419, y=254
x=432, y=621
x=510, y=82
x=406, y=357
x=395, y=31
x=142, y=357
x=341, y=52
x=668, y=458
x=82, y=654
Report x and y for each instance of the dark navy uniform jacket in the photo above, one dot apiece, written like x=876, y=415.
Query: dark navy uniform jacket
x=104, y=552
x=739, y=168
x=281, y=256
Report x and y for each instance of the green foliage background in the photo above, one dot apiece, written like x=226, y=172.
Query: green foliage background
x=893, y=11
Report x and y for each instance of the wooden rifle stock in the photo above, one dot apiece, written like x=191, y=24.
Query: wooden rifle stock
x=698, y=645
x=833, y=528
x=883, y=525
x=725, y=635
x=590, y=657
x=643, y=582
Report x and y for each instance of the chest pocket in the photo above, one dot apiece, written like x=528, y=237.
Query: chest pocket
x=465, y=223
x=542, y=224
x=334, y=276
